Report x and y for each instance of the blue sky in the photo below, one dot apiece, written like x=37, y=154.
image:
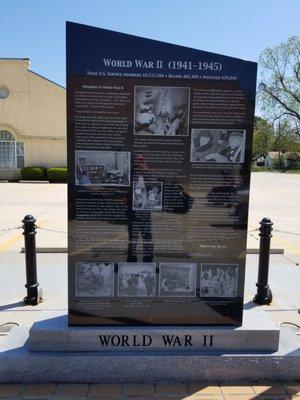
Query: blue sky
x=239, y=28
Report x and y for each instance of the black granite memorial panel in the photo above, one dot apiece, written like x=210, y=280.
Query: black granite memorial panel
x=159, y=154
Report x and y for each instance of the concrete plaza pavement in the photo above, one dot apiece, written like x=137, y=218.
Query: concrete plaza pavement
x=52, y=275
x=275, y=195
x=46, y=202
x=195, y=391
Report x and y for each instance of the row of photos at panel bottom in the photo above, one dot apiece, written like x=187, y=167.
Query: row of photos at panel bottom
x=165, y=279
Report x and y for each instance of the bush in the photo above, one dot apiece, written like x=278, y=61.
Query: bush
x=34, y=173
x=57, y=175
x=279, y=162
x=256, y=168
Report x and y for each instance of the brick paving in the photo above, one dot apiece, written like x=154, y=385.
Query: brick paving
x=195, y=391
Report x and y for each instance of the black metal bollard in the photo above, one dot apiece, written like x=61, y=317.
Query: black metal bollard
x=32, y=284
x=264, y=293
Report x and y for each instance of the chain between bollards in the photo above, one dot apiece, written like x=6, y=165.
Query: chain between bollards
x=264, y=293
x=33, y=297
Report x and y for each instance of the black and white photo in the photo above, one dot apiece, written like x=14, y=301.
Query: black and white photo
x=136, y=279
x=177, y=279
x=161, y=111
x=102, y=168
x=218, y=145
x=218, y=280
x=147, y=196
x=94, y=279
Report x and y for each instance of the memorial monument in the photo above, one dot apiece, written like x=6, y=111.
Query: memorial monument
x=159, y=153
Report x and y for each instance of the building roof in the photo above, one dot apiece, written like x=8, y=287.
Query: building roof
x=49, y=80
x=14, y=58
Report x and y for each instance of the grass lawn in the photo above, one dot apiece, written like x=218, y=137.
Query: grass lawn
x=255, y=168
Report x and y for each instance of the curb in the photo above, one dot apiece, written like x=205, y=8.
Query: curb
x=28, y=181
x=65, y=250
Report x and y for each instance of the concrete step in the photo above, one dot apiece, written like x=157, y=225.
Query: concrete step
x=18, y=364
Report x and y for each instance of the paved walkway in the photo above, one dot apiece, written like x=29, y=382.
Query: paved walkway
x=279, y=193
x=238, y=391
x=46, y=202
x=52, y=275
x=275, y=195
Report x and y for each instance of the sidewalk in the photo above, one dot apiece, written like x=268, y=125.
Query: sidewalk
x=52, y=275
x=272, y=195
x=215, y=391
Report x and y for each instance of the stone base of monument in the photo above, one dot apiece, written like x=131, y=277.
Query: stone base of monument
x=53, y=352
x=258, y=333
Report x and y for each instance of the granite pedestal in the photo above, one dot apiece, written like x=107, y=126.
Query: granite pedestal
x=79, y=356
x=258, y=333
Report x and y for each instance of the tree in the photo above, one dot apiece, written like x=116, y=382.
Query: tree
x=285, y=140
x=279, y=90
x=276, y=135
x=262, y=138
x=285, y=137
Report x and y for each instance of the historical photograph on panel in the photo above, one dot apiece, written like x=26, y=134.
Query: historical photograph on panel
x=147, y=196
x=161, y=111
x=136, y=279
x=218, y=145
x=102, y=168
x=94, y=279
x=218, y=280
x=177, y=279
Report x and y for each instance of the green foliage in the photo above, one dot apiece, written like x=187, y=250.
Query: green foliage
x=293, y=156
x=293, y=171
x=256, y=168
x=279, y=89
x=284, y=137
x=57, y=175
x=34, y=173
x=279, y=162
x=279, y=136
x=262, y=138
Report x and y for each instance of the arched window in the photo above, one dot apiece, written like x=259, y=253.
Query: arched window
x=11, y=152
x=6, y=136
